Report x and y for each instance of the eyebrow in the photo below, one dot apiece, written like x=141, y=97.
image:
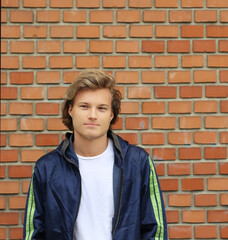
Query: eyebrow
x=102, y=104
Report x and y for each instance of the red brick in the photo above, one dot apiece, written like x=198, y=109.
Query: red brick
x=139, y=92
x=224, y=231
x=138, y=31
x=179, y=138
x=55, y=124
x=3, y=140
x=129, y=107
x=35, y=31
x=18, y=171
x=49, y=47
x=163, y=123
x=35, y=4
x=169, y=184
x=4, y=46
x=75, y=46
x=217, y=3
x=56, y=92
x=84, y=31
x=127, y=77
x=180, y=232
x=205, y=137
x=153, y=46
x=3, y=110
x=190, y=91
x=8, y=124
x=223, y=137
x=140, y=61
x=2, y=206
x=172, y=216
x=68, y=77
x=9, y=218
x=223, y=46
x=101, y=16
x=180, y=16
x=88, y=4
x=140, y=4
x=48, y=16
x=166, y=31
x=175, y=169
x=128, y=16
x=217, y=61
x=224, y=199
x=31, y=155
x=216, y=91
x=114, y=61
x=87, y=62
x=204, y=46
x=21, y=77
x=205, y=232
x=65, y=31
x=154, y=16
x=9, y=62
x=191, y=153
x=193, y=216
x=190, y=122
x=132, y=138
x=192, y=61
x=8, y=93
x=127, y=46
x=61, y=4
x=2, y=172
x=216, y=122
x=153, y=138
x=119, y=31
x=179, y=46
x=179, y=76
x=204, y=168
x=60, y=62
x=47, y=139
x=10, y=3
x=30, y=124
x=191, y=31
x=215, y=152
x=217, y=31
x=20, y=140
x=3, y=78
x=153, y=77
x=32, y=93
x=165, y=92
x=192, y=3
x=205, y=200
x=97, y=46
x=47, y=108
x=16, y=233
x=47, y=77
x=113, y=3
x=164, y=154
x=21, y=16
x=153, y=107
x=19, y=108
x=166, y=61
x=118, y=125
x=205, y=106
x=224, y=16
x=223, y=168
x=217, y=216
x=136, y=123
x=204, y=76
x=10, y=31
x=165, y=4
x=22, y=47
x=34, y=62
x=9, y=187
x=4, y=15
x=205, y=16
x=74, y=16
x=179, y=200
x=192, y=184
x=180, y=107
x=25, y=186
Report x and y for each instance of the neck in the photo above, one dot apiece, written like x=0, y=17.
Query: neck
x=89, y=148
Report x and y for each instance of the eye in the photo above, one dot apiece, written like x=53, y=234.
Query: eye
x=83, y=106
x=102, y=108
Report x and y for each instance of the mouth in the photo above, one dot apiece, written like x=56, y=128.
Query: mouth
x=91, y=124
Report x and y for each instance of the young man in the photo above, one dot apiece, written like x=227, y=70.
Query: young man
x=95, y=185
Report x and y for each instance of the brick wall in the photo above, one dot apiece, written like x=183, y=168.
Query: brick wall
x=170, y=61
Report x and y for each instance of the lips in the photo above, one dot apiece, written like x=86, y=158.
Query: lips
x=91, y=124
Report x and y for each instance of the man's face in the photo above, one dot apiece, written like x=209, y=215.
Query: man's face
x=91, y=113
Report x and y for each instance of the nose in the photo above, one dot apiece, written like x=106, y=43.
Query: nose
x=92, y=114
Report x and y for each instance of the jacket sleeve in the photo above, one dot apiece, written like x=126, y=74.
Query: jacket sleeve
x=34, y=211
x=153, y=218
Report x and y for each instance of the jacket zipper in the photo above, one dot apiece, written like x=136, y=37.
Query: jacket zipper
x=119, y=205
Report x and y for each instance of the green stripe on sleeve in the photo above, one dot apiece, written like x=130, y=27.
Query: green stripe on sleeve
x=30, y=213
x=156, y=202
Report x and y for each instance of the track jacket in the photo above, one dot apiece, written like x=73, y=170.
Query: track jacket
x=55, y=190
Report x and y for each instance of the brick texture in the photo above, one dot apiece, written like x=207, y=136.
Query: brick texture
x=170, y=61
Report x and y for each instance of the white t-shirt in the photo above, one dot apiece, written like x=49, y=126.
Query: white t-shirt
x=94, y=220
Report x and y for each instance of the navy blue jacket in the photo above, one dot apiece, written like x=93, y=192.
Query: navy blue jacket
x=55, y=190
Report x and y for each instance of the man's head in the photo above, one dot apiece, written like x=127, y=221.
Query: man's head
x=89, y=80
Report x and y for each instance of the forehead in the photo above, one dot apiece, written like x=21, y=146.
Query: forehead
x=98, y=96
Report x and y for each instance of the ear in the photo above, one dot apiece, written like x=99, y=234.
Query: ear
x=70, y=110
